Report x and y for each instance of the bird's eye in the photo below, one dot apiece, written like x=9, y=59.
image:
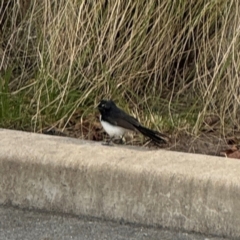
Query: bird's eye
x=103, y=105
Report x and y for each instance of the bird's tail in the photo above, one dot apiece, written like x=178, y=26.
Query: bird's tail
x=154, y=135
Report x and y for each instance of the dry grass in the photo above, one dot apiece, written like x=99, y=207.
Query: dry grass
x=174, y=62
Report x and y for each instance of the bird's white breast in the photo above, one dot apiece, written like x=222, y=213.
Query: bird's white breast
x=111, y=130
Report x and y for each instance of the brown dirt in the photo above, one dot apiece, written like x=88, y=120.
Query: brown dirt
x=208, y=142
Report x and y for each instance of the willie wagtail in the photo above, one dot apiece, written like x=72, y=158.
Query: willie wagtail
x=116, y=122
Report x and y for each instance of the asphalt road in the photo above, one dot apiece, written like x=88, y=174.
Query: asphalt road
x=28, y=225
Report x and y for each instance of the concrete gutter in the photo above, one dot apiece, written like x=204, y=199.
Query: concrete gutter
x=187, y=192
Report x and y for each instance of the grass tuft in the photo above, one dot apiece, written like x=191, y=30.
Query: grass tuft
x=171, y=64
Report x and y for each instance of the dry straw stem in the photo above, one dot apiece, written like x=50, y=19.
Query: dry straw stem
x=174, y=62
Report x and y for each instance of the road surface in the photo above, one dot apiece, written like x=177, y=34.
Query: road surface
x=28, y=225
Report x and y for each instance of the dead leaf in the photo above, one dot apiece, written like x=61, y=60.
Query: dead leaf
x=232, y=152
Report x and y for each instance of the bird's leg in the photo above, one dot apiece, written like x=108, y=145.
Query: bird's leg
x=108, y=142
x=122, y=140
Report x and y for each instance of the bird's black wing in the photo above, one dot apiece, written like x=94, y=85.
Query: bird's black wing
x=117, y=117
x=129, y=122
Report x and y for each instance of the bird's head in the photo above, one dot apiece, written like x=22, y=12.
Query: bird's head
x=105, y=105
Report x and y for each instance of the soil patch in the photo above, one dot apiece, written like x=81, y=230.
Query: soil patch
x=209, y=143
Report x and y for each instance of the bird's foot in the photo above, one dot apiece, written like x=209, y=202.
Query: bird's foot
x=108, y=144
x=111, y=141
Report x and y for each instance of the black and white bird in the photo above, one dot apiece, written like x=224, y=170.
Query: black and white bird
x=116, y=122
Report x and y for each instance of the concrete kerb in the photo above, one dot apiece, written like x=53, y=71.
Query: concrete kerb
x=187, y=192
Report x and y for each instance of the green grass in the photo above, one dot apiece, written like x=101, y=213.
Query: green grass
x=170, y=64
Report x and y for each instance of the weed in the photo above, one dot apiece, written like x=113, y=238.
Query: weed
x=169, y=63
